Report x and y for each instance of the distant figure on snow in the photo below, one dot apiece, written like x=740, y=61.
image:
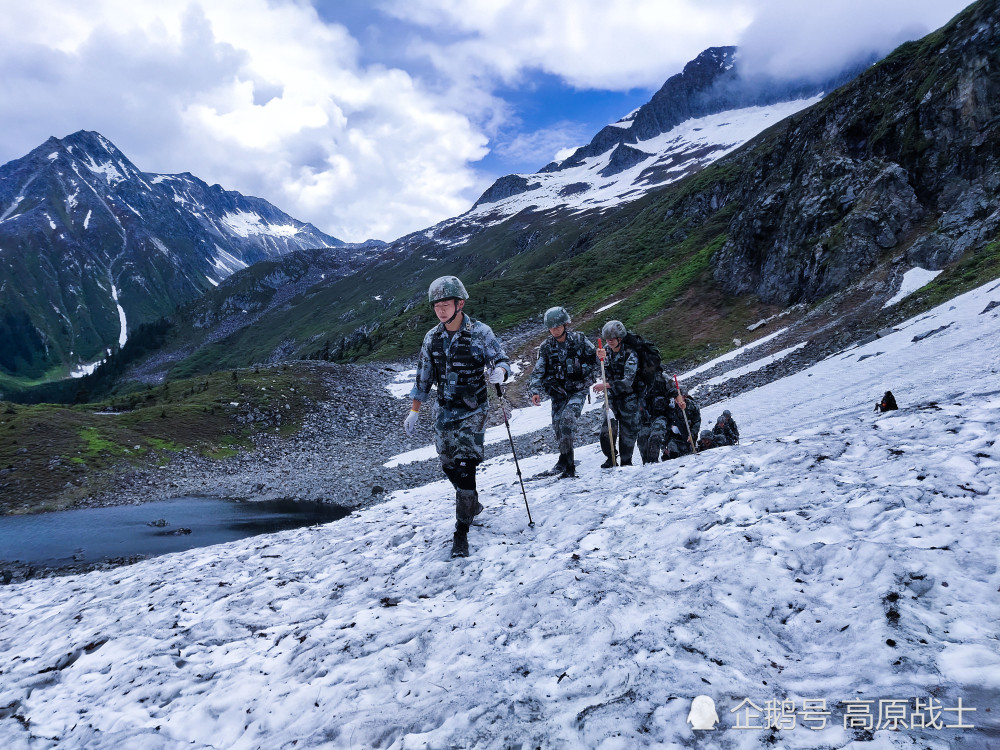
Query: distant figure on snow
x=888, y=403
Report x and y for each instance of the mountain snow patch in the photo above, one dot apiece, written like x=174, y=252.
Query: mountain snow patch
x=226, y=263
x=913, y=280
x=108, y=169
x=245, y=223
x=123, y=331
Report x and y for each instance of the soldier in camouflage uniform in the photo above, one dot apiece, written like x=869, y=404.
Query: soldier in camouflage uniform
x=679, y=444
x=564, y=372
x=726, y=431
x=461, y=357
x=621, y=367
x=708, y=440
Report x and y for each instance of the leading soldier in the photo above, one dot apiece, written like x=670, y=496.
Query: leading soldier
x=461, y=357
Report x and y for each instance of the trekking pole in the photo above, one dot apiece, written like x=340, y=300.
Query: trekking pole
x=684, y=414
x=514, y=451
x=607, y=412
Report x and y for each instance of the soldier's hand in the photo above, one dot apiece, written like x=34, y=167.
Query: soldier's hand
x=498, y=375
x=536, y=400
x=599, y=387
x=601, y=353
x=410, y=423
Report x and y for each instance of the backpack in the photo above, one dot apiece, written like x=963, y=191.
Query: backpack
x=649, y=362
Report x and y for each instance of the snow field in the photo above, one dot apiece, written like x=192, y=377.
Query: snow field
x=837, y=554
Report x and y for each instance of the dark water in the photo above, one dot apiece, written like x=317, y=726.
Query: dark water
x=92, y=535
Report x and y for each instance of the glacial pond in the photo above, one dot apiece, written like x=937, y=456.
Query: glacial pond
x=93, y=535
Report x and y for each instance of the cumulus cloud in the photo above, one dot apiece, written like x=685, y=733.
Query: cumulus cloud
x=376, y=132
x=260, y=97
x=591, y=44
x=627, y=44
x=792, y=39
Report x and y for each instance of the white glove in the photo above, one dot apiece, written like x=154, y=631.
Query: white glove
x=498, y=375
x=410, y=423
x=675, y=429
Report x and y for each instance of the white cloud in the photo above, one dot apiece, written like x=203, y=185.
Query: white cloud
x=628, y=44
x=260, y=97
x=268, y=98
x=603, y=44
x=789, y=38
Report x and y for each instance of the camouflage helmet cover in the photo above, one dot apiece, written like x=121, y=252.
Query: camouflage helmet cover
x=446, y=287
x=556, y=316
x=613, y=329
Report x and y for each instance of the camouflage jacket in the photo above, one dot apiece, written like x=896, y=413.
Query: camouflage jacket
x=564, y=368
x=620, y=368
x=726, y=430
x=457, y=364
x=676, y=418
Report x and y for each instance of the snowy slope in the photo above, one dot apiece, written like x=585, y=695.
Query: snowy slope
x=836, y=555
x=600, y=182
x=685, y=149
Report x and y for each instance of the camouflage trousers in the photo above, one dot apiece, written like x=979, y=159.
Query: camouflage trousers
x=626, y=428
x=565, y=414
x=458, y=437
x=652, y=437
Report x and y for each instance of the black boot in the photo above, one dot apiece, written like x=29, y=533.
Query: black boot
x=608, y=464
x=556, y=470
x=460, y=542
x=569, y=467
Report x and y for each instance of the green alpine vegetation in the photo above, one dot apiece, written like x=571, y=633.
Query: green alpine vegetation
x=53, y=455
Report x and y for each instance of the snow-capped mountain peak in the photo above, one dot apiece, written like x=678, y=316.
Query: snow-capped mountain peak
x=78, y=218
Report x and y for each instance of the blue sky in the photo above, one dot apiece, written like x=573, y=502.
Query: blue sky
x=375, y=119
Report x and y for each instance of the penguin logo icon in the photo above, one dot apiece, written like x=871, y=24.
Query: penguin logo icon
x=702, y=714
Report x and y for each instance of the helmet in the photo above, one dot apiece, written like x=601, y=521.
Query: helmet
x=556, y=316
x=613, y=329
x=727, y=413
x=446, y=287
x=706, y=435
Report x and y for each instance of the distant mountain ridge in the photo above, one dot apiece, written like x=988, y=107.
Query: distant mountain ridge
x=674, y=134
x=772, y=212
x=90, y=245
